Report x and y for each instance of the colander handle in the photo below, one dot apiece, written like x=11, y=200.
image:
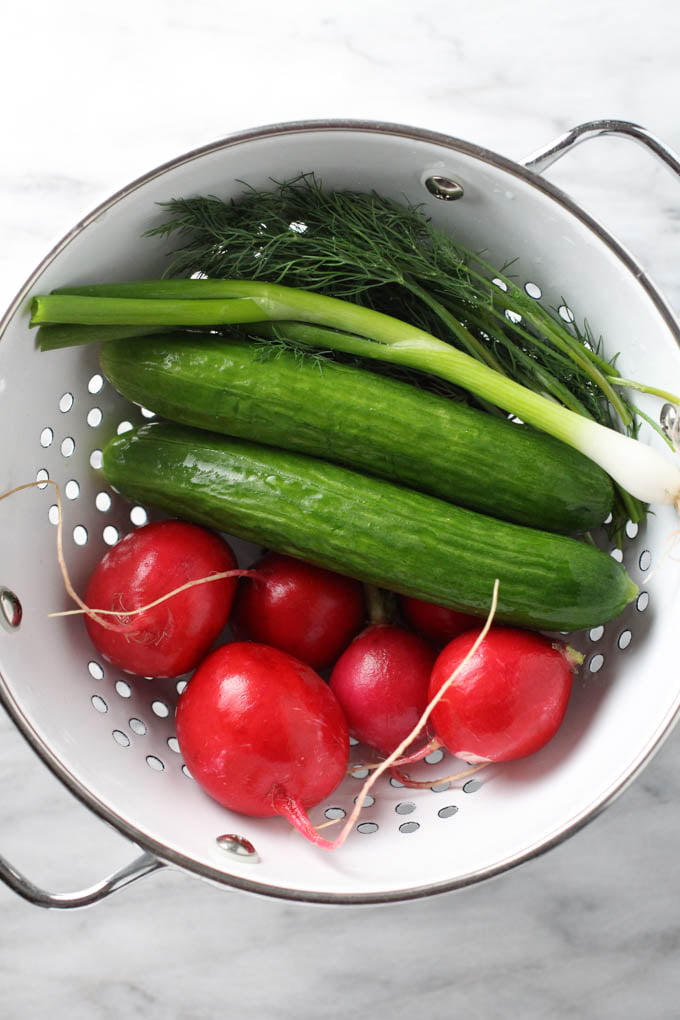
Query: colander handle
x=24, y=887
x=544, y=157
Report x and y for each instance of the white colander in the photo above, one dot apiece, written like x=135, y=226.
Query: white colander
x=110, y=738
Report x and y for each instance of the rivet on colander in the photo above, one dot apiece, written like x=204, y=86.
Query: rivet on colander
x=10, y=609
x=444, y=188
x=238, y=845
x=670, y=423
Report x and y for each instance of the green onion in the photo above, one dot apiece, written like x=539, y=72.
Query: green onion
x=644, y=472
x=55, y=338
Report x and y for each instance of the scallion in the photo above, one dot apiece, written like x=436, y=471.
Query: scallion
x=642, y=471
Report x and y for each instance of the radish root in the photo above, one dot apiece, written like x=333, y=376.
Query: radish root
x=427, y=784
x=219, y=576
x=409, y=759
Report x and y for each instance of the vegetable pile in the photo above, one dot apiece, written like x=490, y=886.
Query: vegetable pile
x=380, y=411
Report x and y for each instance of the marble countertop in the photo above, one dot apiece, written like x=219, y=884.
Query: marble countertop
x=93, y=96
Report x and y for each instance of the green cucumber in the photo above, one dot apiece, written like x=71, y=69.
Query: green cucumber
x=368, y=528
x=364, y=420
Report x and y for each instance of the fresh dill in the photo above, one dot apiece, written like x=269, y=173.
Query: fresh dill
x=388, y=256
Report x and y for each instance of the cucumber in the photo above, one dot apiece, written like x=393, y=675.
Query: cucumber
x=368, y=528
x=364, y=420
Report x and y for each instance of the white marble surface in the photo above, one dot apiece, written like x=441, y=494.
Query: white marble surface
x=92, y=96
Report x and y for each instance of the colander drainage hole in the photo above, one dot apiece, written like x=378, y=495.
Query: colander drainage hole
x=645, y=560
x=95, y=670
x=334, y=813
x=625, y=638
x=406, y=807
x=96, y=459
x=155, y=763
x=95, y=416
x=367, y=828
x=434, y=757
x=10, y=609
x=642, y=601
x=123, y=689
x=138, y=516
x=110, y=534
x=66, y=402
x=121, y=738
x=72, y=489
x=46, y=437
x=160, y=708
x=80, y=535
x=95, y=384
x=596, y=662
x=173, y=744
x=99, y=704
x=448, y=811
x=137, y=726
x=472, y=786
x=68, y=446
x=368, y=801
x=409, y=827
x=103, y=501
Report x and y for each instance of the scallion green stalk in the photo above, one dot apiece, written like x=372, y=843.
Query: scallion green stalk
x=643, y=471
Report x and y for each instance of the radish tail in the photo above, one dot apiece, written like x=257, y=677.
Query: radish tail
x=291, y=809
x=428, y=748
x=427, y=784
x=409, y=759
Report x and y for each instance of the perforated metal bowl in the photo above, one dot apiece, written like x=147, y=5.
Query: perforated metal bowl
x=111, y=739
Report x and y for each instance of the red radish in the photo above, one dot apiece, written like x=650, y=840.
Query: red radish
x=262, y=733
x=507, y=701
x=381, y=680
x=172, y=637
x=305, y=610
x=436, y=623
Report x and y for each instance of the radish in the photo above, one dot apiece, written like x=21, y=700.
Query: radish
x=381, y=681
x=507, y=700
x=436, y=623
x=308, y=611
x=262, y=734
x=172, y=637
